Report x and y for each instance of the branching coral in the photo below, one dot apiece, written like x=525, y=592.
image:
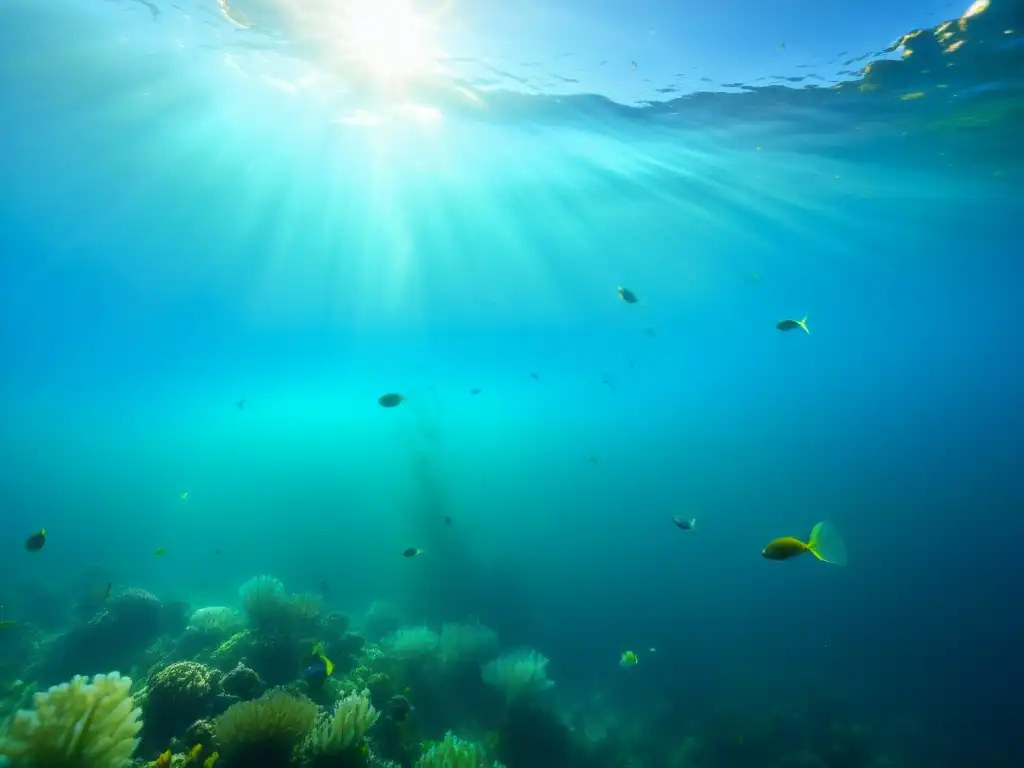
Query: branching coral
x=80, y=724
x=519, y=674
x=265, y=731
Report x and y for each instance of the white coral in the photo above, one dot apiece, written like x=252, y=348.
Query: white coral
x=345, y=727
x=79, y=724
x=467, y=643
x=519, y=674
x=215, y=620
x=454, y=752
x=409, y=642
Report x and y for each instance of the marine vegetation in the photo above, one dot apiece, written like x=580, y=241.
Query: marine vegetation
x=343, y=701
x=79, y=724
x=266, y=731
x=519, y=675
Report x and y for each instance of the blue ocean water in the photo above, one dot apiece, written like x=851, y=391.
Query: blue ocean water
x=227, y=228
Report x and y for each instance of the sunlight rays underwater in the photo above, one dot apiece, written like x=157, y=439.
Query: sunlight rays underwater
x=295, y=209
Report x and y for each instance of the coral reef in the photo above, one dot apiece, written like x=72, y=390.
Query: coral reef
x=520, y=674
x=380, y=620
x=410, y=642
x=453, y=752
x=201, y=689
x=265, y=603
x=340, y=735
x=128, y=623
x=242, y=683
x=215, y=620
x=467, y=644
x=80, y=724
x=175, y=697
x=265, y=731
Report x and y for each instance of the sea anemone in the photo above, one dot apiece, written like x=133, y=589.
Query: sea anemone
x=265, y=731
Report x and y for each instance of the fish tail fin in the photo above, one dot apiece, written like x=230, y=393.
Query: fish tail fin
x=803, y=324
x=827, y=545
x=693, y=523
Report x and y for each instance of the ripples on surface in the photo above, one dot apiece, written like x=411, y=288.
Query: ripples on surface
x=365, y=131
x=365, y=58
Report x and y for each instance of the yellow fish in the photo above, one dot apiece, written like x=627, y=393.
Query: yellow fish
x=824, y=543
x=628, y=660
x=789, y=325
x=160, y=552
x=318, y=650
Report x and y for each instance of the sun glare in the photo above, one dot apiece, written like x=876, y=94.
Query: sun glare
x=388, y=38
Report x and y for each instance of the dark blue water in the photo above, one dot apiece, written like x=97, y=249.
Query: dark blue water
x=200, y=207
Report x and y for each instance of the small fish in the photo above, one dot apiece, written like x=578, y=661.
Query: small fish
x=652, y=650
x=412, y=552
x=447, y=520
x=325, y=587
x=789, y=325
x=390, y=400
x=475, y=391
x=649, y=332
x=593, y=460
x=240, y=405
x=318, y=651
x=7, y=624
x=824, y=543
x=627, y=295
x=106, y=592
x=534, y=376
x=606, y=380
x=217, y=552
x=36, y=541
x=184, y=496
x=316, y=674
x=686, y=523
x=781, y=46
x=628, y=659
x=160, y=552
x=632, y=65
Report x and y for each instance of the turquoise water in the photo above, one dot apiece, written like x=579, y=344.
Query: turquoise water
x=205, y=205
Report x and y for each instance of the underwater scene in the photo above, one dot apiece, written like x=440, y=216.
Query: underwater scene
x=538, y=384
